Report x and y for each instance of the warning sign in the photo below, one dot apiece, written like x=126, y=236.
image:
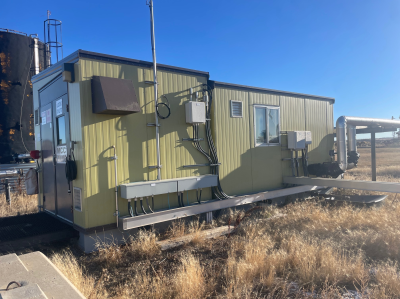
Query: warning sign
x=59, y=108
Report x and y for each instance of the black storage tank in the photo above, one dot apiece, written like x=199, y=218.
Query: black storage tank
x=21, y=57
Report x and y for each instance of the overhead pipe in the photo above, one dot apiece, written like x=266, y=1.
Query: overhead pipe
x=349, y=124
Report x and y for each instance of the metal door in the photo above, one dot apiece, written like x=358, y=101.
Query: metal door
x=48, y=166
x=55, y=146
x=62, y=149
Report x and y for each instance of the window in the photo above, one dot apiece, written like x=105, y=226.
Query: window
x=36, y=117
x=61, y=131
x=236, y=109
x=266, y=125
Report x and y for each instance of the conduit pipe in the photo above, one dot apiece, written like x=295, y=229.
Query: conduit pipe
x=153, y=48
x=349, y=124
x=116, y=184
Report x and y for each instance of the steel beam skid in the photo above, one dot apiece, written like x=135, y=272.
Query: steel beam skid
x=207, y=206
x=345, y=184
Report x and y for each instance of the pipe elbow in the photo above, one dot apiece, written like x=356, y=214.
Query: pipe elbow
x=341, y=122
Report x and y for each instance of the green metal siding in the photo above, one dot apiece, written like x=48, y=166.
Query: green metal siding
x=134, y=140
x=232, y=140
x=249, y=169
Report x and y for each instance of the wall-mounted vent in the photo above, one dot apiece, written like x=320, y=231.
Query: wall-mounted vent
x=37, y=117
x=113, y=96
x=236, y=109
x=78, y=199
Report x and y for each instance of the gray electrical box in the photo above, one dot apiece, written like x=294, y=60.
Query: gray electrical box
x=197, y=182
x=148, y=188
x=298, y=140
x=195, y=112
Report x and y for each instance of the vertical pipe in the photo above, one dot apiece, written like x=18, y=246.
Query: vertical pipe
x=373, y=156
x=116, y=185
x=153, y=48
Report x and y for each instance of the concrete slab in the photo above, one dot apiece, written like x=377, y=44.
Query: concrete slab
x=35, y=268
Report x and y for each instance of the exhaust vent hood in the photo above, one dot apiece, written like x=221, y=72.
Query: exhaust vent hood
x=113, y=96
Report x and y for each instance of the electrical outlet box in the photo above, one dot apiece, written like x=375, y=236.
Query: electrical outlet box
x=296, y=140
x=308, y=137
x=195, y=112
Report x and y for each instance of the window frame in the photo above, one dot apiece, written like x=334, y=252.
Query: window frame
x=241, y=105
x=267, y=108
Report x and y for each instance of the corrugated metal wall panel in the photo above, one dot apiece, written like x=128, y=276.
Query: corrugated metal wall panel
x=292, y=119
x=232, y=140
x=330, y=123
x=135, y=141
x=266, y=160
x=316, y=122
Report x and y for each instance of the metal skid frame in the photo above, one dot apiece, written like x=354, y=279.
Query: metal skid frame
x=132, y=222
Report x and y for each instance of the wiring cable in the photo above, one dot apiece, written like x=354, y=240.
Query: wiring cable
x=197, y=196
x=141, y=206
x=147, y=201
x=136, y=212
x=166, y=105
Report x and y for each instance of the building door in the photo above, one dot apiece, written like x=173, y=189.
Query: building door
x=48, y=163
x=55, y=149
x=62, y=149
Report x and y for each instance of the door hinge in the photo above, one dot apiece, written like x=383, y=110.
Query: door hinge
x=67, y=108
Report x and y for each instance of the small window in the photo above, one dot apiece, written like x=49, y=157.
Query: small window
x=236, y=109
x=266, y=125
x=36, y=117
x=61, y=131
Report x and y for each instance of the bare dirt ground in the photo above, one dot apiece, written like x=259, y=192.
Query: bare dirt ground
x=315, y=251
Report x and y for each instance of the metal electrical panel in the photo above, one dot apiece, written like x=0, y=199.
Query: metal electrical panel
x=197, y=182
x=195, y=112
x=298, y=140
x=148, y=188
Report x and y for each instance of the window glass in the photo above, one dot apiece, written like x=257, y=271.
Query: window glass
x=273, y=126
x=61, y=130
x=261, y=128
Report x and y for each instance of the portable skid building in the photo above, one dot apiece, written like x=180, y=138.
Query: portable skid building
x=90, y=104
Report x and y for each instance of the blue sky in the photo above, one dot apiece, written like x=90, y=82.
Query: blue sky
x=349, y=50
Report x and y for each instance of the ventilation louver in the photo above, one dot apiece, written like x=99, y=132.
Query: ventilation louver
x=236, y=109
x=78, y=199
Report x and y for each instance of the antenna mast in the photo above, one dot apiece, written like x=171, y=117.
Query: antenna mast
x=153, y=48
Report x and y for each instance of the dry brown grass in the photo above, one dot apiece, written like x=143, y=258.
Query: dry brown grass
x=67, y=263
x=20, y=204
x=315, y=251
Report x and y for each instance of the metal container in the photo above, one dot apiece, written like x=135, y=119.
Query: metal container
x=21, y=56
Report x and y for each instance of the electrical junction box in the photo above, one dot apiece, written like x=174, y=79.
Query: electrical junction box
x=308, y=137
x=297, y=140
x=195, y=112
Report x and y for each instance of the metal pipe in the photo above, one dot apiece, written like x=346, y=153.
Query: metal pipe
x=341, y=127
x=36, y=53
x=153, y=48
x=116, y=184
x=373, y=157
x=351, y=138
x=9, y=173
